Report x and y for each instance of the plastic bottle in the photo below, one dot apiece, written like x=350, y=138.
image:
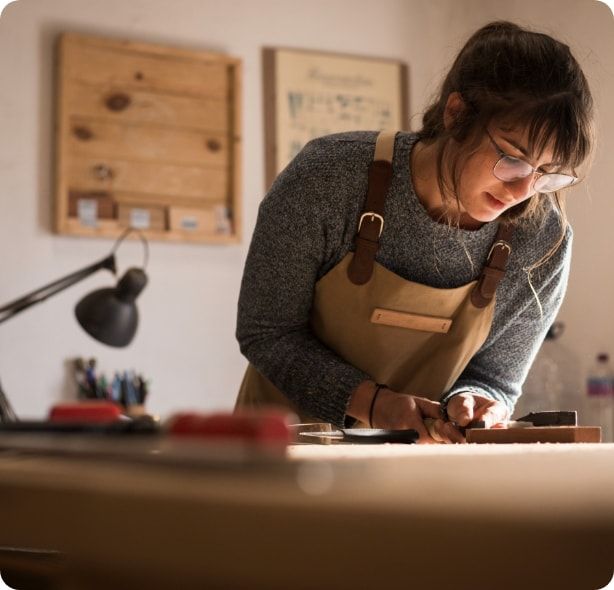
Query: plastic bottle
x=600, y=391
x=555, y=381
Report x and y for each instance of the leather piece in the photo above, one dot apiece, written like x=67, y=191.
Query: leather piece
x=495, y=267
x=411, y=321
x=367, y=239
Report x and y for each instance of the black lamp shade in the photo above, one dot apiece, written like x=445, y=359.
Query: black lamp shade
x=110, y=315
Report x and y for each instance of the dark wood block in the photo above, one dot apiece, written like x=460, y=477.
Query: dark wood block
x=535, y=434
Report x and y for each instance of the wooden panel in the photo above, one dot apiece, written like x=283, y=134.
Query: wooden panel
x=92, y=138
x=171, y=181
x=151, y=127
x=113, y=65
x=116, y=103
x=535, y=434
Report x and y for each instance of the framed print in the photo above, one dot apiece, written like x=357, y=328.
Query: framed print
x=308, y=94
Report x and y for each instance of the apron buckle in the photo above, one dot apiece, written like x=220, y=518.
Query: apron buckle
x=501, y=244
x=373, y=215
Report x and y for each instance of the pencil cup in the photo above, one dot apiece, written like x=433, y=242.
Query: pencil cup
x=135, y=410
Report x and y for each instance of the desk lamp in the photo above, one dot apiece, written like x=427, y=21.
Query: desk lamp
x=109, y=315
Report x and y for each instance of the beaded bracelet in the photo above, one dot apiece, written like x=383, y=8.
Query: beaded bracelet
x=443, y=409
x=378, y=388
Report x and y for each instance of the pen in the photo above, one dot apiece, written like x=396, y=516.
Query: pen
x=90, y=375
x=131, y=396
x=116, y=388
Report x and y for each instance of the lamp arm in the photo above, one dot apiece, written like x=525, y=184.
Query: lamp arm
x=14, y=307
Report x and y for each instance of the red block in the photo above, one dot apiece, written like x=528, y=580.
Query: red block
x=88, y=411
x=268, y=427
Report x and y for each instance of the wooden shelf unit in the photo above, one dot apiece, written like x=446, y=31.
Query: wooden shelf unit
x=147, y=136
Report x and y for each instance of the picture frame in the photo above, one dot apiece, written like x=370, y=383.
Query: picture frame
x=309, y=94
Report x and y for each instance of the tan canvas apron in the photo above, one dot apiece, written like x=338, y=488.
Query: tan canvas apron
x=415, y=338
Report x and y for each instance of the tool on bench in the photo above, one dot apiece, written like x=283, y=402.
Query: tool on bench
x=364, y=435
x=549, y=418
x=546, y=418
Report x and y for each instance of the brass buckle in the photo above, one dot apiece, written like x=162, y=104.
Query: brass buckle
x=501, y=244
x=372, y=215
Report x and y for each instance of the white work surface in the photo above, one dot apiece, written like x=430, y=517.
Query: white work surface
x=340, y=516
x=505, y=481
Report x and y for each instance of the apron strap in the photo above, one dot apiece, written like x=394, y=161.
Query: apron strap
x=494, y=269
x=371, y=222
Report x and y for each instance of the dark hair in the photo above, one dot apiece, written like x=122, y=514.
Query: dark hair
x=521, y=78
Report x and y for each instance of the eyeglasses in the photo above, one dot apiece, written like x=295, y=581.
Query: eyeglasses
x=510, y=169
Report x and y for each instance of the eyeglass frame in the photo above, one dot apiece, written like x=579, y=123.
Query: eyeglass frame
x=534, y=171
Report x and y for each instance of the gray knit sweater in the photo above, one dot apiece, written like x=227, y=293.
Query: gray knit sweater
x=306, y=225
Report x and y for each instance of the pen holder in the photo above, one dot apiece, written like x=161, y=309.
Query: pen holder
x=135, y=410
x=127, y=388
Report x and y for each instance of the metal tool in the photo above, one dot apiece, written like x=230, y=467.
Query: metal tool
x=551, y=418
x=367, y=435
x=546, y=418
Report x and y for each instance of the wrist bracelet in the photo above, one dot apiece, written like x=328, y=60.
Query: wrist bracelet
x=378, y=388
x=443, y=409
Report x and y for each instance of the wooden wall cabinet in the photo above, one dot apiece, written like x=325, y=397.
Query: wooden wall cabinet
x=148, y=136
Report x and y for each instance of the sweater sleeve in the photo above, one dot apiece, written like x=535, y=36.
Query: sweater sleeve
x=500, y=367
x=290, y=245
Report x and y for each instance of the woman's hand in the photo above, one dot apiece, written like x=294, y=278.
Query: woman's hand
x=400, y=411
x=465, y=408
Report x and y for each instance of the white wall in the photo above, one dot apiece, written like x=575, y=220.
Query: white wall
x=186, y=340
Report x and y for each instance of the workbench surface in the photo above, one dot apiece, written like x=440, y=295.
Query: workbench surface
x=449, y=516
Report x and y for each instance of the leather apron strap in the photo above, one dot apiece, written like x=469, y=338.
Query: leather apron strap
x=371, y=222
x=371, y=225
x=495, y=267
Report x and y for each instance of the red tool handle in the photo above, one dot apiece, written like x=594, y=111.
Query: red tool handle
x=268, y=427
x=86, y=411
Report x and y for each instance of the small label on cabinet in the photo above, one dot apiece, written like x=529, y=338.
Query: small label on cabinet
x=140, y=218
x=87, y=212
x=188, y=222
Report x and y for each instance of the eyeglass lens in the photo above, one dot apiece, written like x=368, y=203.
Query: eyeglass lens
x=549, y=183
x=510, y=169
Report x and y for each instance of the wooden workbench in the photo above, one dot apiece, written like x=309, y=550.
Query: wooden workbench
x=334, y=516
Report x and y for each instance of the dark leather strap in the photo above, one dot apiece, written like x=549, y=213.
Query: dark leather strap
x=494, y=269
x=371, y=223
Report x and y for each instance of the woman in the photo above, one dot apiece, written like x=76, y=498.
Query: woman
x=429, y=298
